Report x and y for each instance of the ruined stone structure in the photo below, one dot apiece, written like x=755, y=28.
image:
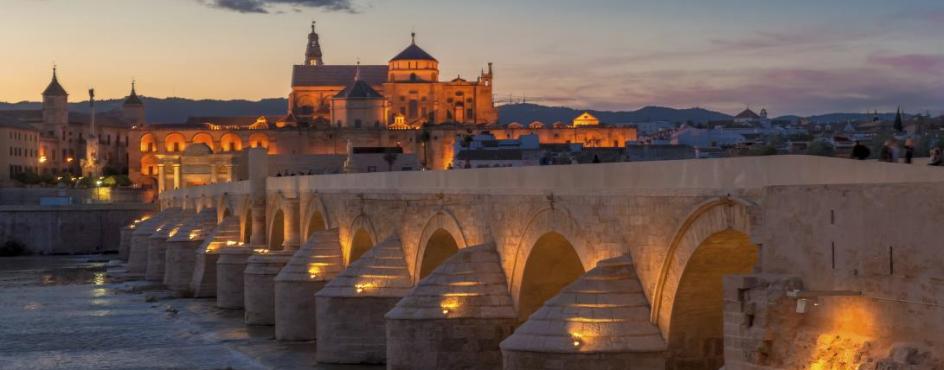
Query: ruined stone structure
x=751, y=263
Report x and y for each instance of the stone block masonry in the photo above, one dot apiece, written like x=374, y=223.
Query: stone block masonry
x=77, y=229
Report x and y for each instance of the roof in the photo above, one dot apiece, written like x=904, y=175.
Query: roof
x=133, y=99
x=747, y=114
x=469, y=284
x=413, y=52
x=102, y=119
x=337, y=75
x=380, y=272
x=490, y=155
x=13, y=122
x=230, y=120
x=319, y=259
x=54, y=88
x=615, y=320
x=377, y=149
x=359, y=90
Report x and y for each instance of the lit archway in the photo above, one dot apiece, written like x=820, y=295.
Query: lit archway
x=441, y=246
x=277, y=230
x=204, y=138
x=174, y=142
x=552, y=264
x=149, y=165
x=315, y=223
x=148, y=143
x=360, y=244
x=696, y=337
x=229, y=142
x=259, y=140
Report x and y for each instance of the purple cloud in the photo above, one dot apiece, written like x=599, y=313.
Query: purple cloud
x=914, y=63
x=264, y=6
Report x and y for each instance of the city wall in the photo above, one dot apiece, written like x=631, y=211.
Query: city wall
x=74, y=229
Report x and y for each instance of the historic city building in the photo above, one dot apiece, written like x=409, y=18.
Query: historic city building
x=335, y=110
x=70, y=143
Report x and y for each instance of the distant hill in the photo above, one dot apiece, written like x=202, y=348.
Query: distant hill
x=173, y=110
x=525, y=113
x=843, y=117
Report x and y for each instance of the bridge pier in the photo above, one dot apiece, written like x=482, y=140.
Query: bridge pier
x=157, y=246
x=312, y=266
x=125, y=241
x=350, y=309
x=140, y=239
x=455, y=318
x=181, y=251
x=226, y=234
x=601, y=321
x=229, y=277
x=259, y=285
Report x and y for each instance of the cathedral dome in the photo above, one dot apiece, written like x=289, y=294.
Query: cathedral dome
x=413, y=52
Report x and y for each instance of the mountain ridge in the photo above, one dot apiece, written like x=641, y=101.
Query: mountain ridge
x=175, y=110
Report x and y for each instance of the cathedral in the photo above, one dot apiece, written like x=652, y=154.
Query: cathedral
x=402, y=94
x=400, y=110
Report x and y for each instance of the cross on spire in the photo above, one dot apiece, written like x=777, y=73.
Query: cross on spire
x=413, y=37
x=313, y=26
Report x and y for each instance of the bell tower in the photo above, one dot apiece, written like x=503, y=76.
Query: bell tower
x=55, y=105
x=313, y=51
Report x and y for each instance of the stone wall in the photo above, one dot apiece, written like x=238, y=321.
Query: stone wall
x=74, y=229
x=882, y=241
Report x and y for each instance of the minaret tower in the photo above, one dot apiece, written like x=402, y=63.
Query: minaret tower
x=313, y=52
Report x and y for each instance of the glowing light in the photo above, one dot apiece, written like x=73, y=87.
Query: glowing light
x=576, y=340
x=70, y=159
x=313, y=271
x=230, y=243
x=42, y=159
x=360, y=288
x=172, y=233
x=261, y=251
x=193, y=235
x=445, y=311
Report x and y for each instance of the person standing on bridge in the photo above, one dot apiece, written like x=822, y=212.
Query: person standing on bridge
x=860, y=152
x=909, y=151
x=937, y=157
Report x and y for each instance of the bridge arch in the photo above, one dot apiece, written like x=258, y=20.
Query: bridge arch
x=441, y=238
x=687, y=303
x=316, y=217
x=550, y=237
x=552, y=264
x=361, y=237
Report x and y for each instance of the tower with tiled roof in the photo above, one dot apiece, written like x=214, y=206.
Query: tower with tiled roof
x=55, y=105
x=132, y=110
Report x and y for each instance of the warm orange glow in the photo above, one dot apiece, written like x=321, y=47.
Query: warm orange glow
x=42, y=159
x=172, y=233
x=261, y=251
x=230, y=243
x=586, y=119
x=362, y=287
x=313, y=270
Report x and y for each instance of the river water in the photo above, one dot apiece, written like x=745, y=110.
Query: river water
x=75, y=312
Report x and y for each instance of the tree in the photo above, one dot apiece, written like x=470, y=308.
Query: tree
x=759, y=150
x=821, y=148
x=390, y=158
x=899, y=124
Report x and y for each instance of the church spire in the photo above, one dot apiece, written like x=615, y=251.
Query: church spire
x=54, y=88
x=313, y=51
x=133, y=98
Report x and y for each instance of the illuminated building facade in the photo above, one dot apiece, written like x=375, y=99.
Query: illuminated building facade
x=398, y=105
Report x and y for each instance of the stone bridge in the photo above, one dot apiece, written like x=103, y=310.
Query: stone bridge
x=761, y=262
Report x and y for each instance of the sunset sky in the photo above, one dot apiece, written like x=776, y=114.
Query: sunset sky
x=800, y=56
